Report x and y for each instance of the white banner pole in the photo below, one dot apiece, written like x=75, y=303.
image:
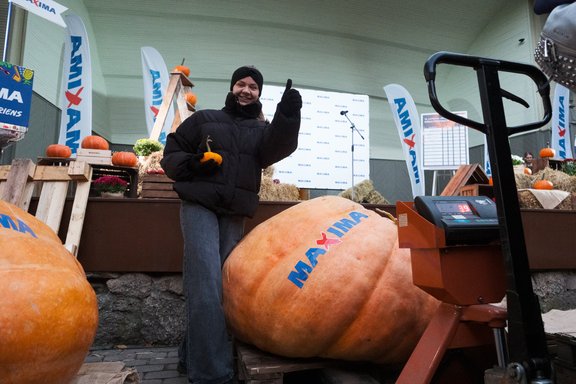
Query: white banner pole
x=7, y=34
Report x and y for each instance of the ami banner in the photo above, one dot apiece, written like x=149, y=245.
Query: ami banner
x=76, y=92
x=15, y=95
x=408, y=124
x=156, y=79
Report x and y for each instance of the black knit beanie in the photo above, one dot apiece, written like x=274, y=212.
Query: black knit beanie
x=245, y=71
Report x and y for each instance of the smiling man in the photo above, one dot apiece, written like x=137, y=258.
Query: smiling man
x=216, y=197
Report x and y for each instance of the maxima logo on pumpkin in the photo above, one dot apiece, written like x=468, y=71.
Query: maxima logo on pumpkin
x=18, y=225
x=340, y=228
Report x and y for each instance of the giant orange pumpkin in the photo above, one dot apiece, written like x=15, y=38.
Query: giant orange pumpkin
x=326, y=278
x=49, y=313
x=94, y=142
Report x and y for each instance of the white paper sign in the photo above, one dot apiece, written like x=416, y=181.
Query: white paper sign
x=444, y=142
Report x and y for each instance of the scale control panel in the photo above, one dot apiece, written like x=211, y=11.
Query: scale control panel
x=466, y=220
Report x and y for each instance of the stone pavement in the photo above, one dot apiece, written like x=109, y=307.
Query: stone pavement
x=155, y=365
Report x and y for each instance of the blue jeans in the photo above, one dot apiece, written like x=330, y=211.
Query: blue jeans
x=208, y=240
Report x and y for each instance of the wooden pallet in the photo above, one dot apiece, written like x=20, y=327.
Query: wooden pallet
x=258, y=367
x=19, y=180
x=157, y=187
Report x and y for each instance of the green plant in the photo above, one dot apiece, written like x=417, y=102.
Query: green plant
x=569, y=167
x=110, y=184
x=144, y=147
x=517, y=160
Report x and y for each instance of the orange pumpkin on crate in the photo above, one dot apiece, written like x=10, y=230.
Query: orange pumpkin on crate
x=58, y=150
x=124, y=159
x=326, y=278
x=49, y=310
x=94, y=142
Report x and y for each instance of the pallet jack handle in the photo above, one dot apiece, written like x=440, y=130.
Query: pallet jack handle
x=526, y=338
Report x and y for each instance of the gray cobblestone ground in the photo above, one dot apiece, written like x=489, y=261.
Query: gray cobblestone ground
x=155, y=365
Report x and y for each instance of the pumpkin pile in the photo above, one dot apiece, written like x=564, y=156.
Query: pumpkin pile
x=49, y=313
x=326, y=278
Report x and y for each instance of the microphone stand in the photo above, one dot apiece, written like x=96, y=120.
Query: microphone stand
x=352, y=129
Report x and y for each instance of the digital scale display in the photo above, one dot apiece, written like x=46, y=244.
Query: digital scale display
x=466, y=220
x=454, y=208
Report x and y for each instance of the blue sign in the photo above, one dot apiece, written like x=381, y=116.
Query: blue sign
x=15, y=94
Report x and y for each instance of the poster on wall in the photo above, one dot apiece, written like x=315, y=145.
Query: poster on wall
x=332, y=125
x=444, y=142
x=15, y=101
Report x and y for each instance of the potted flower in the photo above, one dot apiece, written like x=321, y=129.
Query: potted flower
x=110, y=186
x=518, y=164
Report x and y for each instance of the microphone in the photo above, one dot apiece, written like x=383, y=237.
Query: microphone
x=343, y=112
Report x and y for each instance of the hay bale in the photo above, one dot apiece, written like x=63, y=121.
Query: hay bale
x=527, y=200
x=150, y=164
x=562, y=181
x=364, y=193
x=273, y=190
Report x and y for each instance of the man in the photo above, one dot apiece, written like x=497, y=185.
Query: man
x=216, y=199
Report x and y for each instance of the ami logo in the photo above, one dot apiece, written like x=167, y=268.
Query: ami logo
x=561, y=128
x=157, y=98
x=304, y=268
x=16, y=225
x=409, y=135
x=74, y=95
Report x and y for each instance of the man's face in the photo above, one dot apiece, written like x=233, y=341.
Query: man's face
x=246, y=90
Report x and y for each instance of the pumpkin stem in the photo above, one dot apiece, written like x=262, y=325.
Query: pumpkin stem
x=183, y=59
x=208, y=141
x=386, y=214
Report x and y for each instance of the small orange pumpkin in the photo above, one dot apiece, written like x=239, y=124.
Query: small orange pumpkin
x=183, y=69
x=124, y=159
x=58, y=150
x=543, y=184
x=547, y=152
x=209, y=155
x=49, y=310
x=191, y=98
x=527, y=171
x=94, y=142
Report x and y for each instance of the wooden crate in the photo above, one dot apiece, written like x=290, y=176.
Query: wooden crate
x=95, y=156
x=258, y=367
x=157, y=187
x=477, y=190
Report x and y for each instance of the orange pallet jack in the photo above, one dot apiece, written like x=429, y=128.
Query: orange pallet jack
x=478, y=257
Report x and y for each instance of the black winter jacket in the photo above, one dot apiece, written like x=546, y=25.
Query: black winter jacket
x=247, y=146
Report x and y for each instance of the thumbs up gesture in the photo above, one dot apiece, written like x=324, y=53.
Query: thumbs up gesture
x=291, y=101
